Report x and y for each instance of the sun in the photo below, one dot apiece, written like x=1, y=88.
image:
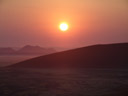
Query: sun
x=63, y=26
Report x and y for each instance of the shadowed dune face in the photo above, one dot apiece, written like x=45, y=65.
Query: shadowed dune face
x=97, y=56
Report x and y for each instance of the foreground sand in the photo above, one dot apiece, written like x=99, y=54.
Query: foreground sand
x=66, y=82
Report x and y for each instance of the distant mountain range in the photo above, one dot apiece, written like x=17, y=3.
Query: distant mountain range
x=7, y=51
x=97, y=56
x=27, y=50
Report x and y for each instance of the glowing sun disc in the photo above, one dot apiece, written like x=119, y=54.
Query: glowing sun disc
x=63, y=27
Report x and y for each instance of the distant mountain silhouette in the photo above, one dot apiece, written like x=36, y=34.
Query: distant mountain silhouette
x=27, y=50
x=97, y=56
x=6, y=51
x=34, y=50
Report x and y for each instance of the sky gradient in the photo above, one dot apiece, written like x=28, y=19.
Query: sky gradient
x=36, y=22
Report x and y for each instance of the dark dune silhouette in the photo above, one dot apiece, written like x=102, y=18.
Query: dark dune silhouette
x=97, y=56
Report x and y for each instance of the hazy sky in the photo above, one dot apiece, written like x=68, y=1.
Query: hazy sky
x=36, y=22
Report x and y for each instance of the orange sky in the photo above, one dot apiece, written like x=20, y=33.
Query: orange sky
x=36, y=22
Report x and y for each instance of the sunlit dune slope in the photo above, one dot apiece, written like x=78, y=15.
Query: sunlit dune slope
x=97, y=56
